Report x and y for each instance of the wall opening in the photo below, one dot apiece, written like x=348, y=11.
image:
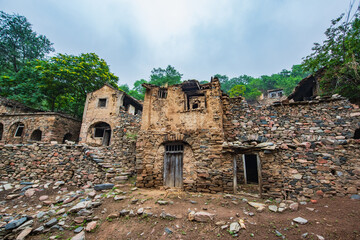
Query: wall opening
x=357, y=134
x=102, y=103
x=102, y=130
x=36, y=135
x=162, y=93
x=67, y=137
x=1, y=130
x=173, y=165
x=251, y=169
x=19, y=129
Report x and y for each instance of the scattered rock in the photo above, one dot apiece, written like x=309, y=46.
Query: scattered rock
x=91, y=226
x=259, y=206
x=355, y=197
x=300, y=220
x=43, y=197
x=201, y=216
x=79, y=229
x=79, y=236
x=104, y=186
x=234, y=227
x=50, y=223
x=24, y=233
x=273, y=208
x=162, y=202
x=15, y=223
x=294, y=206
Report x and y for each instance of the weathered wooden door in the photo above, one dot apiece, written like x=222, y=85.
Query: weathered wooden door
x=106, y=137
x=173, y=165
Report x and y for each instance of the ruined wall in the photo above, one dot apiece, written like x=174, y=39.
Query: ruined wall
x=45, y=161
x=313, y=151
x=53, y=127
x=93, y=113
x=167, y=120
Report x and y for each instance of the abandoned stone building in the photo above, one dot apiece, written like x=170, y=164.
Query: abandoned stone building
x=105, y=110
x=21, y=124
x=195, y=137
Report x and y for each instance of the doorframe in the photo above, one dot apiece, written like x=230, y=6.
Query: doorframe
x=173, y=152
x=258, y=163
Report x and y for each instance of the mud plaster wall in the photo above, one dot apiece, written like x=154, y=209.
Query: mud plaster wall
x=54, y=126
x=94, y=114
x=315, y=152
x=168, y=120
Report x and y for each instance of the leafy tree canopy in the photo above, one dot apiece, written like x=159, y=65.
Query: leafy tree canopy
x=339, y=56
x=237, y=90
x=60, y=83
x=19, y=43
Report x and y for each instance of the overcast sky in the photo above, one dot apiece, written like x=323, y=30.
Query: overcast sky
x=199, y=38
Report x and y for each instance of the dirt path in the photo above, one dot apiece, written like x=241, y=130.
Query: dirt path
x=335, y=218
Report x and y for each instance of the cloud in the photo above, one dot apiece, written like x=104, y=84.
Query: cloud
x=199, y=38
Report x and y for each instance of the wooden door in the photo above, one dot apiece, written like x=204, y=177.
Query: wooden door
x=106, y=137
x=173, y=166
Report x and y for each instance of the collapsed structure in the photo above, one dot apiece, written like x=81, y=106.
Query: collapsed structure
x=197, y=138
x=21, y=124
x=194, y=137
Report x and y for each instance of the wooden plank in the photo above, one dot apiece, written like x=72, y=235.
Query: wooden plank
x=259, y=174
x=235, y=175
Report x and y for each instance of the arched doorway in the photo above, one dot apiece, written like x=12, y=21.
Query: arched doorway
x=357, y=134
x=1, y=130
x=67, y=137
x=173, y=165
x=102, y=132
x=36, y=135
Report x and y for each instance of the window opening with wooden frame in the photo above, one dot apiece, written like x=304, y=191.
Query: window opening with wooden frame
x=19, y=130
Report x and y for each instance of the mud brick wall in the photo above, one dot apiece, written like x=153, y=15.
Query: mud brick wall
x=44, y=161
x=315, y=151
x=54, y=126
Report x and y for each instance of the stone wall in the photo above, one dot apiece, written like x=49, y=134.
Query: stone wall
x=117, y=106
x=53, y=127
x=45, y=161
x=192, y=120
x=309, y=145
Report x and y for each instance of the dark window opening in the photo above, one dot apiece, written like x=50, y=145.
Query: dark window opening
x=102, y=130
x=251, y=168
x=19, y=130
x=280, y=94
x=36, y=135
x=162, y=93
x=1, y=130
x=67, y=137
x=99, y=132
x=195, y=106
x=174, y=148
x=102, y=102
x=357, y=134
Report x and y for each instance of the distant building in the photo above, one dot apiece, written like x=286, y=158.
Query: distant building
x=21, y=124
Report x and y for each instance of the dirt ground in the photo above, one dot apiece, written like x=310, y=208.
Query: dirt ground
x=330, y=218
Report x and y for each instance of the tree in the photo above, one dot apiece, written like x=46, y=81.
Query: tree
x=339, y=56
x=237, y=91
x=161, y=77
x=60, y=83
x=19, y=43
